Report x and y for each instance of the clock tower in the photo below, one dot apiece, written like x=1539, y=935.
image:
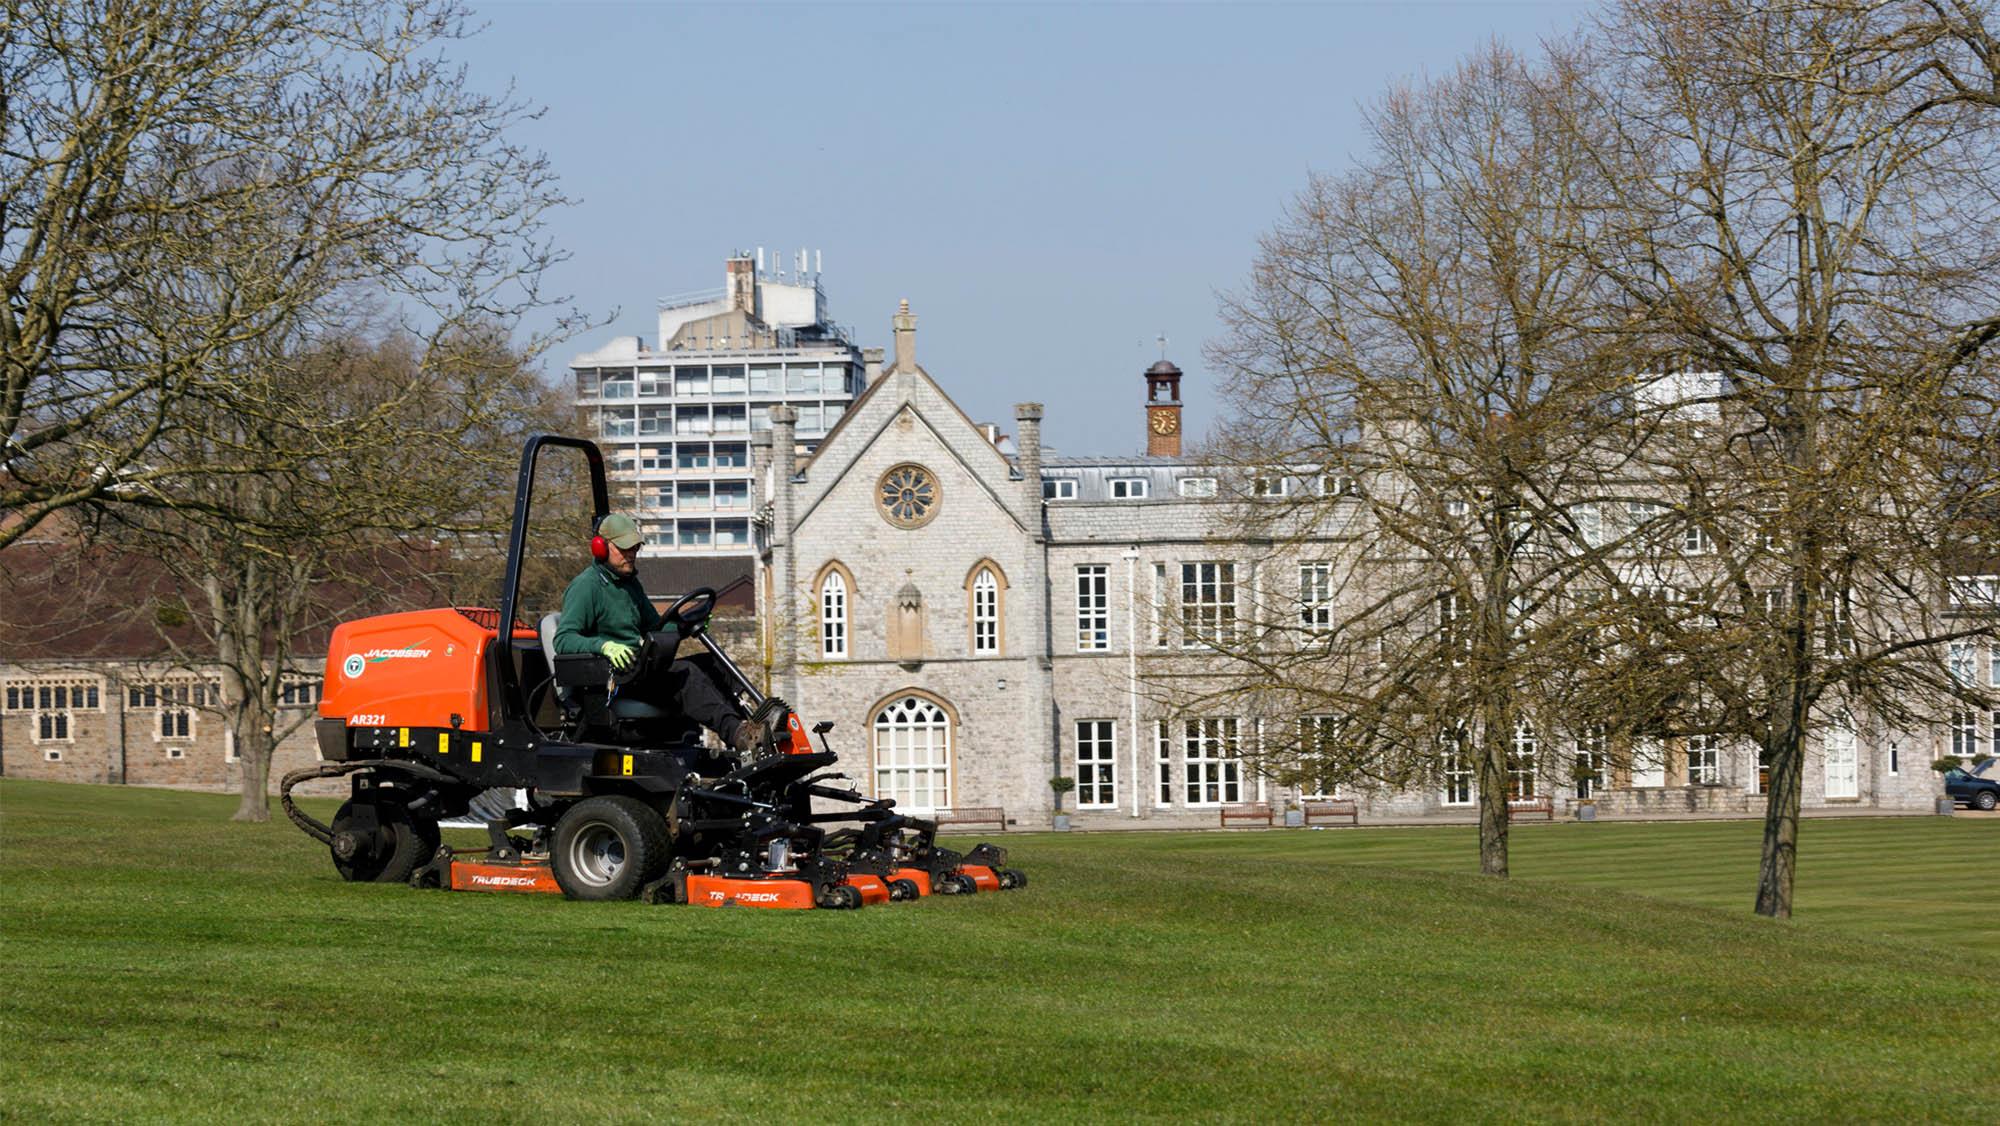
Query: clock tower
x=1163, y=410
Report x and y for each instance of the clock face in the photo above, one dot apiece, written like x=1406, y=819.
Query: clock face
x=1164, y=423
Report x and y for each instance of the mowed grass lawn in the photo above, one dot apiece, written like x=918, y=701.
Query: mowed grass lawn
x=164, y=963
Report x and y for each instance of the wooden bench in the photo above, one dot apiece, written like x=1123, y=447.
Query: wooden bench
x=1333, y=808
x=1255, y=811
x=993, y=815
x=1521, y=807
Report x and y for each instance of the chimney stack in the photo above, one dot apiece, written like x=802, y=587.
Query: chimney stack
x=740, y=282
x=906, y=338
x=1028, y=434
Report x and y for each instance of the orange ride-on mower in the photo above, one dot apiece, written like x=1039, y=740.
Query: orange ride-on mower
x=430, y=713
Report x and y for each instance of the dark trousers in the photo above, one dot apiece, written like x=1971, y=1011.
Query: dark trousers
x=694, y=688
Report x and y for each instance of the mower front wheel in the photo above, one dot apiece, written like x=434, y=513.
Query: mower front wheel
x=608, y=847
x=380, y=842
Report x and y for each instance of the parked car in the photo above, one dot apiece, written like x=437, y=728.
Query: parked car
x=1979, y=793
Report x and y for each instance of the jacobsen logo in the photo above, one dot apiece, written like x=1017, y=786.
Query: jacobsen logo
x=506, y=881
x=376, y=656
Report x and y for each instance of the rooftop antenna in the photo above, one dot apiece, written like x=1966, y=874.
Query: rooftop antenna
x=1163, y=345
x=760, y=259
x=819, y=261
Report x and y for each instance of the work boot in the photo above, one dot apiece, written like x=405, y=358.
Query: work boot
x=749, y=736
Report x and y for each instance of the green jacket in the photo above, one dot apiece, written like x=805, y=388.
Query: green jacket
x=601, y=606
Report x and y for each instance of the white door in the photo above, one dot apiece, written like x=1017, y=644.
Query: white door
x=1841, y=775
x=1649, y=764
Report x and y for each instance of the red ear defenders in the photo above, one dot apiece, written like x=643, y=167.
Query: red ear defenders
x=599, y=550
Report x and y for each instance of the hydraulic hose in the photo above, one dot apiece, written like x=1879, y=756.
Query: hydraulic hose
x=317, y=830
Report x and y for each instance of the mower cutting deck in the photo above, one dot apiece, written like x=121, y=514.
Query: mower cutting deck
x=426, y=711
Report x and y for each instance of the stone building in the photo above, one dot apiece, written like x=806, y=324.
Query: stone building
x=977, y=623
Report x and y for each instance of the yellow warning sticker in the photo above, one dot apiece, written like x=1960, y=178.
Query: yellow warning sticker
x=475, y=750
x=444, y=742
x=628, y=764
x=402, y=736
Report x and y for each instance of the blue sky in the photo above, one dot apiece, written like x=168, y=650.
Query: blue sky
x=1051, y=186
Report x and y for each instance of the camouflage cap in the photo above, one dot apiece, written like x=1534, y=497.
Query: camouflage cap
x=620, y=529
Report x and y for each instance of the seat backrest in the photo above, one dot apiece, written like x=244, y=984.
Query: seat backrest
x=547, y=629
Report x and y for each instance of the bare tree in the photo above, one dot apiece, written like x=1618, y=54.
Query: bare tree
x=1799, y=215
x=1425, y=347
x=399, y=460
x=139, y=139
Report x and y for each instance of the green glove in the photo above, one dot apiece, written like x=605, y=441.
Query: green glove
x=619, y=652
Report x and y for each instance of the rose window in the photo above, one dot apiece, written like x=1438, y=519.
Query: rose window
x=908, y=495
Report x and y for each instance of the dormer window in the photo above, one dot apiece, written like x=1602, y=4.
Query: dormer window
x=1268, y=486
x=1059, y=488
x=1128, y=488
x=1198, y=487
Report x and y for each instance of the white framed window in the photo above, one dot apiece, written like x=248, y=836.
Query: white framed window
x=913, y=755
x=1093, y=607
x=1271, y=485
x=300, y=692
x=1704, y=760
x=1590, y=759
x=1058, y=488
x=1455, y=625
x=1841, y=762
x=1963, y=661
x=1695, y=540
x=1096, y=764
x=1316, y=598
x=1457, y=770
x=1163, y=761
x=1198, y=488
x=1338, y=485
x=175, y=704
x=1129, y=488
x=1589, y=524
x=1521, y=751
x=53, y=704
x=1839, y=622
x=833, y=615
x=1208, y=604
x=1318, y=744
x=1457, y=508
x=1965, y=734
x=1209, y=759
x=1156, y=598
x=1993, y=666
x=985, y=613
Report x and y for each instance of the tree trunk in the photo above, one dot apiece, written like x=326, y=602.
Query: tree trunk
x=1493, y=801
x=1781, y=824
x=256, y=769
x=254, y=747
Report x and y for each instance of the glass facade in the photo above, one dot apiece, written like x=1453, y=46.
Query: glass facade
x=676, y=433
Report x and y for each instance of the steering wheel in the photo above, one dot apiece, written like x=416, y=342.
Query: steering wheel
x=690, y=611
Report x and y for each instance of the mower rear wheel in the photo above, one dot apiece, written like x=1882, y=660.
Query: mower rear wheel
x=904, y=890
x=380, y=842
x=608, y=847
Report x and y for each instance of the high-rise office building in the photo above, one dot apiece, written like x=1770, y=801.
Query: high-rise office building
x=675, y=421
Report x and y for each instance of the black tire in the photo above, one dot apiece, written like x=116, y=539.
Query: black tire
x=1020, y=878
x=904, y=890
x=1985, y=800
x=608, y=847
x=967, y=885
x=386, y=853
